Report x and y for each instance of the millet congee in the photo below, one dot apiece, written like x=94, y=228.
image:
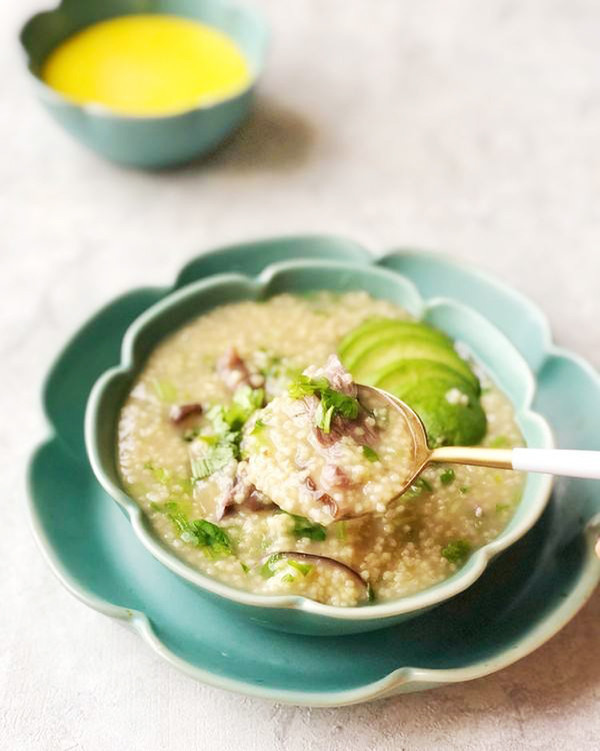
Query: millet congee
x=245, y=443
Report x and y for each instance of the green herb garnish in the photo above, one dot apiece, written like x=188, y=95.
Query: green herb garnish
x=164, y=390
x=457, y=551
x=267, y=570
x=210, y=440
x=216, y=458
x=258, y=427
x=340, y=531
x=232, y=418
x=163, y=508
x=419, y=486
x=223, y=445
x=202, y=533
x=500, y=507
x=245, y=568
x=447, y=477
x=303, y=527
x=191, y=434
x=371, y=593
x=303, y=568
x=332, y=402
x=160, y=474
x=248, y=400
x=306, y=386
x=500, y=442
x=323, y=417
x=370, y=454
x=199, y=532
x=464, y=489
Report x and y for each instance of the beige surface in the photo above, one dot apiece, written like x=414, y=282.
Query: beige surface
x=468, y=127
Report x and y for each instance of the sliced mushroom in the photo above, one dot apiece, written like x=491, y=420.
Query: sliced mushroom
x=324, y=561
x=322, y=497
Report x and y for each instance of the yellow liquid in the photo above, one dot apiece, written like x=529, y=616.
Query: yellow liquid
x=147, y=65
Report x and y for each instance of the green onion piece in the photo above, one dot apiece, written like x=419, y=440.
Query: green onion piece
x=160, y=474
x=217, y=457
x=190, y=434
x=332, y=402
x=268, y=568
x=258, y=427
x=457, y=551
x=203, y=534
x=303, y=527
x=303, y=568
x=370, y=454
x=164, y=390
x=306, y=386
x=323, y=417
x=419, y=486
x=447, y=477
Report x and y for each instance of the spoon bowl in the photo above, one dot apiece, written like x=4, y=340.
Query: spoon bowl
x=564, y=462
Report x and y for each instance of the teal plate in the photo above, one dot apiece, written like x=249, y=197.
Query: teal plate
x=526, y=595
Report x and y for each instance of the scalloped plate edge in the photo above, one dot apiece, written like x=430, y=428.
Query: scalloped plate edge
x=402, y=680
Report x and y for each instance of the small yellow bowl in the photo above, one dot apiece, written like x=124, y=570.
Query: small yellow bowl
x=147, y=141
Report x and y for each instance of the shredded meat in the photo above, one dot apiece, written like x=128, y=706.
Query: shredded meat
x=339, y=378
x=322, y=496
x=243, y=494
x=179, y=412
x=234, y=372
x=333, y=476
x=258, y=501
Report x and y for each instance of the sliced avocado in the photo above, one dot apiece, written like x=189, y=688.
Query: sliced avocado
x=383, y=354
x=379, y=329
x=448, y=422
x=403, y=374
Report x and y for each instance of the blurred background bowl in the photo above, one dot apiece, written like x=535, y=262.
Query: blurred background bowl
x=146, y=141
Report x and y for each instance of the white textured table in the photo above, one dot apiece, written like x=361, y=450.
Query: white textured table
x=468, y=127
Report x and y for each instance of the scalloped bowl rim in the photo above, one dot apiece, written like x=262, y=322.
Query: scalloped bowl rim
x=97, y=110
x=409, y=604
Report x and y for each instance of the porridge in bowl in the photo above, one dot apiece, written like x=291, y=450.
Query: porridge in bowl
x=244, y=442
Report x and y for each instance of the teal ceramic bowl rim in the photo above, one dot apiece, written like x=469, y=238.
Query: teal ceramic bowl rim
x=409, y=604
x=95, y=109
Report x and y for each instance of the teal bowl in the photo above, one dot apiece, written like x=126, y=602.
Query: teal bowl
x=149, y=142
x=290, y=612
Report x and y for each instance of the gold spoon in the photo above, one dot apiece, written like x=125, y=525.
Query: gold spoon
x=566, y=462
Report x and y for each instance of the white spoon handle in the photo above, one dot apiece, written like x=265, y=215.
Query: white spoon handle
x=566, y=462
x=552, y=461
